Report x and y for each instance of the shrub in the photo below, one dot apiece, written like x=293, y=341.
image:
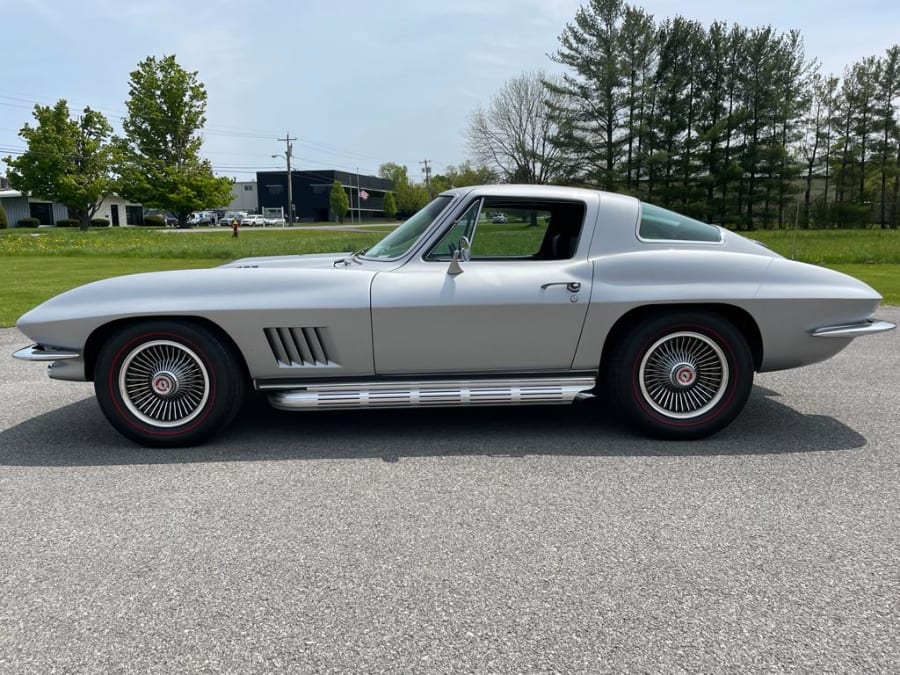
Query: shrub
x=4, y=221
x=29, y=222
x=154, y=221
x=68, y=222
x=99, y=222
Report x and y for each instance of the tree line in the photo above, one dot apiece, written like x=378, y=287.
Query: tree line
x=78, y=161
x=729, y=124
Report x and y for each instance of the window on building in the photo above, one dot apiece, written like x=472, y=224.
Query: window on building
x=248, y=188
x=43, y=211
x=134, y=215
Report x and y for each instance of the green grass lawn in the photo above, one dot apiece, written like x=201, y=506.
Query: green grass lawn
x=38, y=264
x=26, y=281
x=834, y=247
x=184, y=244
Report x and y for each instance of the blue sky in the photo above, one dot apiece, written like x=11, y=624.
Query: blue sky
x=359, y=83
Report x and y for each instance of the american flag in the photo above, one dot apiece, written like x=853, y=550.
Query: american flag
x=363, y=195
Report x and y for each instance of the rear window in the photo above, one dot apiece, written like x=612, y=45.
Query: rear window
x=661, y=224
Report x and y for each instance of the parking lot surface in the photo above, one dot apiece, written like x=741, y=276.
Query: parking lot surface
x=479, y=540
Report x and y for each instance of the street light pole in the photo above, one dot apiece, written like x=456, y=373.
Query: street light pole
x=289, y=149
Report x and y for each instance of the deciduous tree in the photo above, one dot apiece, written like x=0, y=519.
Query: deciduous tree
x=67, y=160
x=390, y=206
x=160, y=163
x=513, y=136
x=410, y=198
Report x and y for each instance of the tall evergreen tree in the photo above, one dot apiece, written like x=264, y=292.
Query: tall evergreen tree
x=887, y=135
x=340, y=202
x=595, y=89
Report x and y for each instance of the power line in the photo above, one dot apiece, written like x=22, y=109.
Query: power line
x=212, y=131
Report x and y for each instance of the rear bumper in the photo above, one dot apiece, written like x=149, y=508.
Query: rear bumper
x=854, y=330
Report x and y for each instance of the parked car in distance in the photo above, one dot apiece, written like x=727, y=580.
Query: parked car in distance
x=203, y=218
x=253, y=219
x=229, y=217
x=274, y=220
x=499, y=218
x=170, y=218
x=584, y=294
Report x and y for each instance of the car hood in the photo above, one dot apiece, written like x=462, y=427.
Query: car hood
x=235, y=289
x=310, y=261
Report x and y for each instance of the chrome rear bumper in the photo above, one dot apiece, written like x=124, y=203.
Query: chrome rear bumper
x=854, y=330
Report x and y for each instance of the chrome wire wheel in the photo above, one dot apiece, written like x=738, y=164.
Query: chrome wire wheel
x=683, y=375
x=163, y=383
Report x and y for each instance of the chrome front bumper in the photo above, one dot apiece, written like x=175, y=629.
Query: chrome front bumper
x=854, y=330
x=64, y=364
x=41, y=353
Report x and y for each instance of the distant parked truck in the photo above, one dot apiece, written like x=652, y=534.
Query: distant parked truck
x=203, y=218
x=230, y=216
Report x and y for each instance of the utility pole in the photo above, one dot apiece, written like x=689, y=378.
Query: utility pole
x=289, y=149
x=427, y=171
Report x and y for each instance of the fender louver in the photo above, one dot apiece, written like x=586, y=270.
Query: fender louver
x=299, y=347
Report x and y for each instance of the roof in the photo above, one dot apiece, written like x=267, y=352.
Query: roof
x=9, y=194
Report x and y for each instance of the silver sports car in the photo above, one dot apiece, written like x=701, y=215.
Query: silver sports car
x=572, y=294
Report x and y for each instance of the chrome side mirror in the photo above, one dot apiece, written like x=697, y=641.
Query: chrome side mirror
x=465, y=249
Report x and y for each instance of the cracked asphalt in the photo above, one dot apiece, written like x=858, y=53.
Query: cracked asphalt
x=481, y=540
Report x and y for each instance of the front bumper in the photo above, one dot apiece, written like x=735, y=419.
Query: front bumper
x=42, y=353
x=65, y=364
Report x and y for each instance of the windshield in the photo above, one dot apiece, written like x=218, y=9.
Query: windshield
x=402, y=239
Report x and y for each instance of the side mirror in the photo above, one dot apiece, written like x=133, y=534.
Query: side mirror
x=465, y=248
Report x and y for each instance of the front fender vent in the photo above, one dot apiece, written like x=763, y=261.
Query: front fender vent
x=300, y=347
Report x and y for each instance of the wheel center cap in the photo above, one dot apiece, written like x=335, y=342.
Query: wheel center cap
x=164, y=384
x=683, y=375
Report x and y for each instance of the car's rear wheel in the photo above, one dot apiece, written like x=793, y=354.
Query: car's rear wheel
x=681, y=375
x=168, y=383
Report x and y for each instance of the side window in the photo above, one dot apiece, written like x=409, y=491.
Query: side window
x=658, y=223
x=515, y=229
x=463, y=227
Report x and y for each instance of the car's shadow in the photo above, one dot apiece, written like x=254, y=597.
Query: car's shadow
x=79, y=435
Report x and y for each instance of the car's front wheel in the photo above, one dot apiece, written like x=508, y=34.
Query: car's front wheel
x=682, y=375
x=168, y=383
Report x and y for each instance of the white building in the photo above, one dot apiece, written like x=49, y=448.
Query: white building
x=244, y=197
x=116, y=210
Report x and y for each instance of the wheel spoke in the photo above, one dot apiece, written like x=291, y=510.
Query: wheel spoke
x=164, y=383
x=683, y=375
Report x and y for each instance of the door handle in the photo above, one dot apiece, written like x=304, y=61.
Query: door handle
x=571, y=286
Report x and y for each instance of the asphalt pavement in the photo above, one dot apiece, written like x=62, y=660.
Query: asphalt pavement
x=468, y=540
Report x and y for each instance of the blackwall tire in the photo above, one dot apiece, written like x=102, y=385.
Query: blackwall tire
x=681, y=375
x=168, y=383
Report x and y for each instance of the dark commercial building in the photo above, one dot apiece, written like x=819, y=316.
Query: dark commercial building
x=311, y=192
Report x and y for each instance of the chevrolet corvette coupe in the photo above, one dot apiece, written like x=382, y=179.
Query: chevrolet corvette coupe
x=490, y=295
